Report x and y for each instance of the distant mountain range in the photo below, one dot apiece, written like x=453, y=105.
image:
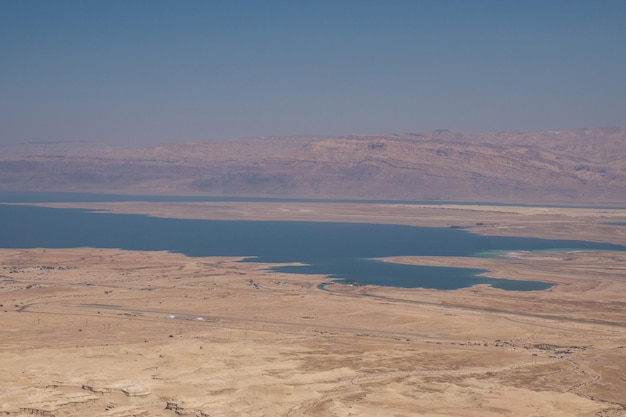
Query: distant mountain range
x=582, y=166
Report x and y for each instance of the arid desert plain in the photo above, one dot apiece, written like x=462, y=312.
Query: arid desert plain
x=105, y=332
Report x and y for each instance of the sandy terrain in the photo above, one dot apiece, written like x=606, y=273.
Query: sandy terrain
x=89, y=332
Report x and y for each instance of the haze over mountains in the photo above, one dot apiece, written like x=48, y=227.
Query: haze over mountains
x=582, y=166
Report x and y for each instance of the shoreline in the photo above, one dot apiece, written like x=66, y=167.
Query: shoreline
x=90, y=332
x=592, y=225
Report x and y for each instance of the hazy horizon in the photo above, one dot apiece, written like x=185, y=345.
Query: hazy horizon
x=141, y=73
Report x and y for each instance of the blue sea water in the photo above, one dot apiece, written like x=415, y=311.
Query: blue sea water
x=342, y=251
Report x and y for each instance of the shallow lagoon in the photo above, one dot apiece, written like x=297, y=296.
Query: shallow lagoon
x=342, y=251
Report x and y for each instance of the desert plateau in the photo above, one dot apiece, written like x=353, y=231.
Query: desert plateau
x=108, y=332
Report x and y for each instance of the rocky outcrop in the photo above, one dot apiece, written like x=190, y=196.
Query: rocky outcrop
x=180, y=410
x=36, y=412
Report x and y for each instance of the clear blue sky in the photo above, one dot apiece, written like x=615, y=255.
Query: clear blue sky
x=151, y=71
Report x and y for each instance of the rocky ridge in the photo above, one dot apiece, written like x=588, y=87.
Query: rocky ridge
x=582, y=166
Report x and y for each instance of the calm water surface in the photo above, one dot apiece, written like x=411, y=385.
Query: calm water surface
x=342, y=251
